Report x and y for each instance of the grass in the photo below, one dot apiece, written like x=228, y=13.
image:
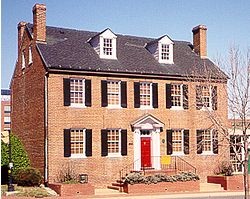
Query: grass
x=27, y=191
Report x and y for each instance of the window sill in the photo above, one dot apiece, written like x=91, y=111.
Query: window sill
x=206, y=109
x=178, y=154
x=30, y=63
x=146, y=107
x=114, y=156
x=80, y=156
x=177, y=108
x=208, y=153
x=77, y=106
x=114, y=107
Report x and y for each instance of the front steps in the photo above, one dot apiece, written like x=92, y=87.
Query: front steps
x=118, y=185
x=210, y=187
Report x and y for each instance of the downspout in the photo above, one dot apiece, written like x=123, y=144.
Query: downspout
x=46, y=129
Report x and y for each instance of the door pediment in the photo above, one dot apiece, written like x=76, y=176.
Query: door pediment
x=147, y=121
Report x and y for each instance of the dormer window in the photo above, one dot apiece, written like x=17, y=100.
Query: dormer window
x=165, y=52
x=105, y=44
x=162, y=49
x=107, y=47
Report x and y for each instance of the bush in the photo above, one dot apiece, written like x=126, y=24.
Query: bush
x=28, y=177
x=19, y=156
x=68, y=175
x=225, y=168
x=139, y=178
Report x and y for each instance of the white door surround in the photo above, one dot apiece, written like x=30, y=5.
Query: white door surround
x=153, y=126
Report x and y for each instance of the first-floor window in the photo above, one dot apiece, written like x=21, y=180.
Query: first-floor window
x=207, y=141
x=114, y=141
x=177, y=141
x=77, y=142
x=236, y=152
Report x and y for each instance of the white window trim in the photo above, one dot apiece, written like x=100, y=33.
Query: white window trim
x=182, y=97
x=210, y=107
x=102, y=55
x=30, y=55
x=117, y=106
x=151, y=97
x=81, y=155
x=78, y=105
x=119, y=154
x=211, y=145
x=166, y=61
x=23, y=60
x=181, y=153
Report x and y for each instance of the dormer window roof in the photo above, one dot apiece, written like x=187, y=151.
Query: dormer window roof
x=104, y=44
x=162, y=49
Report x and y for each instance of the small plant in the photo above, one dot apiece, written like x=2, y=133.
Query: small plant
x=139, y=178
x=28, y=177
x=225, y=168
x=68, y=175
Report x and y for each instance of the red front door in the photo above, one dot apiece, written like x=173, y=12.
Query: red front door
x=145, y=152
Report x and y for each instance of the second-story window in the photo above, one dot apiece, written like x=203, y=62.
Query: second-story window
x=113, y=93
x=165, y=52
x=206, y=97
x=145, y=94
x=77, y=91
x=176, y=92
x=107, y=46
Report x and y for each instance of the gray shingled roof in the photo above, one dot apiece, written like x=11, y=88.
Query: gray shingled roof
x=69, y=49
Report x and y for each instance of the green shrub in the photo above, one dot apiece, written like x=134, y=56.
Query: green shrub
x=19, y=156
x=28, y=177
x=139, y=178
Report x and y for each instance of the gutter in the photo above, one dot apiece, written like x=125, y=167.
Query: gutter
x=46, y=129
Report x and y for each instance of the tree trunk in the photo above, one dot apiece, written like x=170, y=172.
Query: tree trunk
x=246, y=180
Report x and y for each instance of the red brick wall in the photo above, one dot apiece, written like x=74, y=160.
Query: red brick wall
x=96, y=118
x=28, y=103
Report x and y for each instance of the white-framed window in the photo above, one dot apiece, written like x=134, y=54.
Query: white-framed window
x=114, y=93
x=206, y=96
x=145, y=94
x=77, y=143
x=23, y=60
x=7, y=109
x=178, y=142
x=164, y=51
x=177, y=95
x=30, y=55
x=107, y=47
x=6, y=120
x=114, y=142
x=77, y=92
x=207, y=142
x=236, y=153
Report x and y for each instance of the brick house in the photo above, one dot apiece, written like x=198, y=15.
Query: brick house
x=102, y=102
x=5, y=114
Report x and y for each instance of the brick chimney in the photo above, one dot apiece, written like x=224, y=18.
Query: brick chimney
x=200, y=40
x=20, y=28
x=39, y=22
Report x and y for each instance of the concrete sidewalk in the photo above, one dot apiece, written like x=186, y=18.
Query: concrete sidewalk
x=116, y=195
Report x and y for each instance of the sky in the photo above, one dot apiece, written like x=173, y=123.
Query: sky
x=228, y=22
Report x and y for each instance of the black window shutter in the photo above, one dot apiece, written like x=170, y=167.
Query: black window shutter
x=169, y=142
x=215, y=142
x=155, y=95
x=199, y=141
x=168, y=96
x=124, y=142
x=124, y=94
x=186, y=141
x=66, y=91
x=104, y=93
x=198, y=98
x=214, y=97
x=88, y=142
x=67, y=148
x=185, y=96
x=104, y=140
x=137, y=94
x=87, y=92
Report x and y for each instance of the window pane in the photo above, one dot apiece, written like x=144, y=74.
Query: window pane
x=113, y=141
x=177, y=142
x=207, y=140
x=113, y=92
x=205, y=96
x=7, y=109
x=77, y=141
x=176, y=93
x=107, y=46
x=145, y=90
x=77, y=91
